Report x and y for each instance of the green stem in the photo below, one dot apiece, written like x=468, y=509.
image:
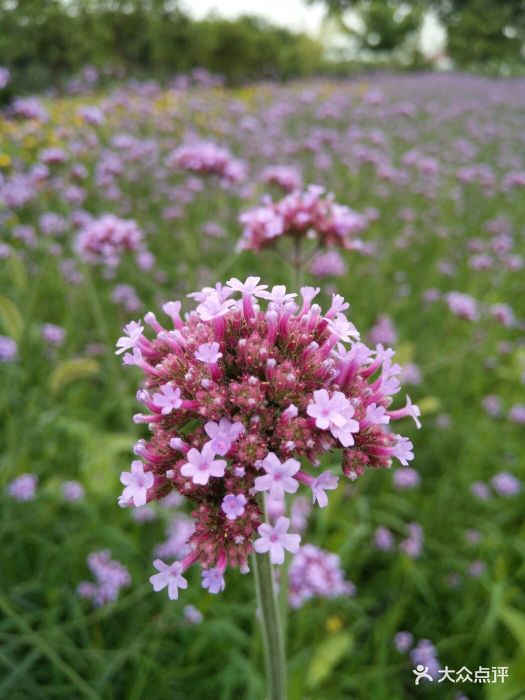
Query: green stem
x=271, y=627
x=297, y=263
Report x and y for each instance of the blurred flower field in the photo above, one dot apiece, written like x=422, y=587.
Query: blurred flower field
x=113, y=203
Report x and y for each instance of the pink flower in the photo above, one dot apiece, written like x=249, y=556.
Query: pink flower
x=275, y=539
x=278, y=295
x=223, y=434
x=343, y=329
x=133, y=331
x=250, y=287
x=325, y=482
x=167, y=399
x=334, y=413
x=377, y=415
x=201, y=465
x=410, y=410
x=233, y=506
x=137, y=483
x=213, y=307
x=169, y=576
x=213, y=580
x=208, y=353
x=278, y=479
x=286, y=392
x=403, y=450
x=23, y=488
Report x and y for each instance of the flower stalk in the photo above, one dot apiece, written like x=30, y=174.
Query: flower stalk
x=271, y=627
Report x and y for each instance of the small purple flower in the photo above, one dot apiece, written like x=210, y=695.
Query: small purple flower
x=201, y=465
x=53, y=334
x=233, y=506
x=168, y=399
x=325, y=482
x=275, y=539
x=134, y=331
x=208, y=353
x=384, y=539
x=23, y=488
x=505, y=484
x=72, y=491
x=279, y=477
x=213, y=580
x=406, y=478
x=223, y=434
x=137, y=483
x=8, y=349
x=169, y=576
x=480, y=490
x=192, y=615
x=403, y=641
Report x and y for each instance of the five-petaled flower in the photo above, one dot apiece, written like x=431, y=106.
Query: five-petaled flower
x=275, y=539
x=133, y=331
x=223, y=434
x=201, y=465
x=278, y=479
x=167, y=399
x=137, y=483
x=233, y=506
x=170, y=576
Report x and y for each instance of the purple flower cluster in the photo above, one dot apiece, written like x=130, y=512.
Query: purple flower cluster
x=103, y=241
x=311, y=213
x=236, y=396
x=206, y=158
x=316, y=573
x=110, y=576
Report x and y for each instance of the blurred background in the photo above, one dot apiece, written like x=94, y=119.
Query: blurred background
x=46, y=42
x=411, y=114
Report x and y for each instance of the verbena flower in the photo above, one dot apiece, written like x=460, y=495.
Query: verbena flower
x=206, y=158
x=244, y=395
x=110, y=576
x=316, y=573
x=103, y=241
x=311, y=213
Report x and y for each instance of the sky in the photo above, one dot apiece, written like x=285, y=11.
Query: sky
x=296, y=15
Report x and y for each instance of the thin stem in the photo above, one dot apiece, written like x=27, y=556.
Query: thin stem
x=297, y=262
x=271, y=627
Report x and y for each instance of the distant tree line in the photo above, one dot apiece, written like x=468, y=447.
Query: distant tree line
x=45, y=42
x=480, y=33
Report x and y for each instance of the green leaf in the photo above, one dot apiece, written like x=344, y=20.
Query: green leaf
x=514, y=621
x=326, y=657
x=71, y=371
x=11, y=318
x=18, y=272
x=405, y=353
x=100, y=458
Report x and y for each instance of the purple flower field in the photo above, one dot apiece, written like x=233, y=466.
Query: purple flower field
x=280, y=323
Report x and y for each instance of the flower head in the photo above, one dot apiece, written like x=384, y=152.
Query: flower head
x=244, y=390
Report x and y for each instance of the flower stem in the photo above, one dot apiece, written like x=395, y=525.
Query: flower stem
x=271, y=627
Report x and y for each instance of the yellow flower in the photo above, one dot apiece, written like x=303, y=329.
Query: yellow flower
x=334, y=624
x=5, y=160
